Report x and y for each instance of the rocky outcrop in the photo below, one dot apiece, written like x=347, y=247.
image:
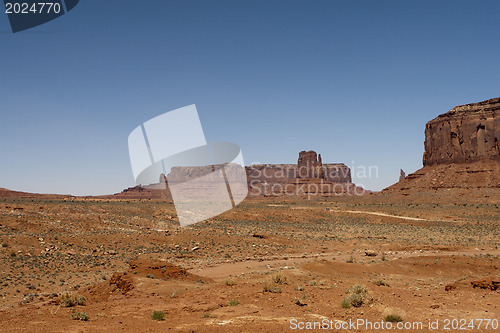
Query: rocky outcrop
x=309, y=177
x=308, y=165
x=464, y=134
x=461, y=151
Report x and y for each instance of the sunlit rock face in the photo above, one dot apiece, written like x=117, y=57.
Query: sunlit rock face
x=464, y=134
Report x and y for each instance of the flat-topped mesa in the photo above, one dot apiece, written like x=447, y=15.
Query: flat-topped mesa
x=309, y=176
x=461, y=152
x=466, y=133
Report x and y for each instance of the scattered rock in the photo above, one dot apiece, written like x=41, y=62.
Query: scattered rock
x=370, y=253
x=486, y=284
x=450, y=287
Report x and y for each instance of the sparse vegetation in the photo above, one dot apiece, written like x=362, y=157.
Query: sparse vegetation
x=346, y=303
x=269, y=287
x=358, y=296
x=79, y=316
x=299, y=301
x=68, y=300
x=234, y=302
x=158, y=315
x=34, y=272
x=229, y=282
x=279, y=278
x=393, y=318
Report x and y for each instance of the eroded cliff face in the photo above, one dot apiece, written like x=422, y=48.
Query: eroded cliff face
x=464, y=134
x=461, y=153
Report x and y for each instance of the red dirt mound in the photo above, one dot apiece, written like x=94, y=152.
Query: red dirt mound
x=162, y=270
x=121, y=282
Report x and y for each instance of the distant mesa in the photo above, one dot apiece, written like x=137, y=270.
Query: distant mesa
x=309, y=177
x=461, y=150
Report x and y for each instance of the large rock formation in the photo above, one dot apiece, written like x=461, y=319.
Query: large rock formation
x=464, y=134
x=306, y=178
x=461, y=151
x=309, y=177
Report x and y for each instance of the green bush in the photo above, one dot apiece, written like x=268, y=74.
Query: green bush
x=234, y=302
x=158, y=315
x=393, y=318
x=346, y=304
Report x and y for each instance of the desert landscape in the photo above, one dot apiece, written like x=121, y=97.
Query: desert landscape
x=424, y=250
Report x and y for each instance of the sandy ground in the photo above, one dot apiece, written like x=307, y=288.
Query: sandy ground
x=269, y=265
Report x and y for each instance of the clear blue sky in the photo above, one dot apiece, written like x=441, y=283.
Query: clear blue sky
x=354, y=80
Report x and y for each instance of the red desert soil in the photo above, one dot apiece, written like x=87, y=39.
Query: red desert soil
x=423, y=256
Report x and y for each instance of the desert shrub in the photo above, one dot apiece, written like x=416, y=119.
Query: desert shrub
x=158, y=315
x=393, y=318
x=355, y=300
x=299, y=301
x=358, y=289
x=79, y=316
x=150, y=276
x=279, y=278
x=299, y=287
x=80, y=300
x=234, y=302
x=68, y=300
x=345, y=303
x=271, y=288
x=229, y=282
x=358, y=296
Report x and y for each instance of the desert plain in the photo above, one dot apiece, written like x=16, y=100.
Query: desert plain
x=424, y=256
